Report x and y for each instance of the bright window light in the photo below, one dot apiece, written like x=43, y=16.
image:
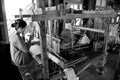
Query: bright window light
x=12, y=7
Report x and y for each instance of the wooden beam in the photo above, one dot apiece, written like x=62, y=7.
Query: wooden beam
x=56, y=16
x=44, y=56
x=41, y=4
x=50, y=15
x=72, y=1
x=91, y=29
x=24, y=16
x=105, y=46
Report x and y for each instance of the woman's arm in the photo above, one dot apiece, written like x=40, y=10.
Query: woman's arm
x=19, y=57
x=20, y=43
x=15, y=53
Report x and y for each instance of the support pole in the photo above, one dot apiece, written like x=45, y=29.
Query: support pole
x=101, y=68
x=20, y=10
x=44, y=56
x=90, y=29
x=43, y=42
x=50, y=25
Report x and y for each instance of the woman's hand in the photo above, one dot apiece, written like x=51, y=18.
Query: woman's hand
x=35, y=41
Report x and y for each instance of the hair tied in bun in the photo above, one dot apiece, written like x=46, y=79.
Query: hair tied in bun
x=13, y=25
x=19, y=23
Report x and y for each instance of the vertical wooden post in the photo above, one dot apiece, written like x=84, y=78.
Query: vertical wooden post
x=104, y=59
x=90, y=4
x=49, y=4
x=50, y=24
x=106, y=41
x=44, y=56
x=33, y=4
x=20, y=10
x=56, y=4
x=43, y=42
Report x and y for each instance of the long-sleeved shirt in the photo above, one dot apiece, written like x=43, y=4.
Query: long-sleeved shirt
x=19, y=51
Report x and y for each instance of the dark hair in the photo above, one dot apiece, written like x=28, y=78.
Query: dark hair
x=19, y=23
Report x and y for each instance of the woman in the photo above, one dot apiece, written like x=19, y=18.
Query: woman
x=19, y=49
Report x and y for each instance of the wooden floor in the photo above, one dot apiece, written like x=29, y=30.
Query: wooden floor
x=91, y=73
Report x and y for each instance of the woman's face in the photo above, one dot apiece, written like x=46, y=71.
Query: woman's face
x=21, y=30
